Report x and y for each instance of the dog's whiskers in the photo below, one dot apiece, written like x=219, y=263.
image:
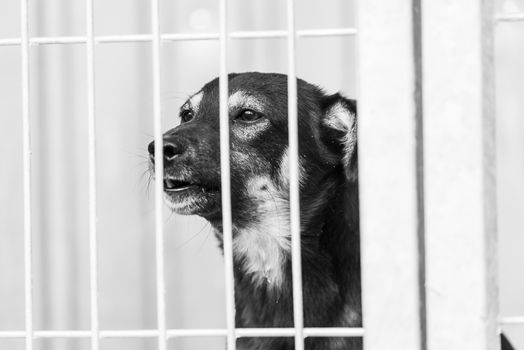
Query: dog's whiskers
x=149, y=180
x=206, y=238
x=186, y=242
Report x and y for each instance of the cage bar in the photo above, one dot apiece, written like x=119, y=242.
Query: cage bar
x=168, y=37
x=178, y=333
x=159, y=176
x=309, y=33
x=225, y=178
x=26, y=149
x=389, y=206
x=459, y=119
x=512, y=320
x=510, y=17
x=294, y=189
x=91, y=149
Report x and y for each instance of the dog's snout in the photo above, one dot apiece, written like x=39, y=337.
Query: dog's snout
x=171, y=149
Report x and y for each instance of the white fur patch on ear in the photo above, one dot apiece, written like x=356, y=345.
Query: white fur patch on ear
x=340, y=118
x=265, y=243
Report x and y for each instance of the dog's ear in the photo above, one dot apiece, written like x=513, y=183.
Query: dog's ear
x=339, y=131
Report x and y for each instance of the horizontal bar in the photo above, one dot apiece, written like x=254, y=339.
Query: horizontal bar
x=308, y=332
x=267, y=34
x=176, y=333
x=334, y=332
x=510, y=17
x=513, y=320
x=168, y=37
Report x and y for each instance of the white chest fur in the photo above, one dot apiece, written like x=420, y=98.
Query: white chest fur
x=265, y=244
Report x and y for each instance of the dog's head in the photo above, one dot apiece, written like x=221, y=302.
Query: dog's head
x=258, y=109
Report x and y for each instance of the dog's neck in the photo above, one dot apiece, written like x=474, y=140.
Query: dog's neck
x=330, y=261
x=329, y=218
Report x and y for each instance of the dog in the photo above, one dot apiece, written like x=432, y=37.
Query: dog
x=259, y=157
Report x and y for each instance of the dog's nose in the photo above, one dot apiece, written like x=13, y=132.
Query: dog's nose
x=172, y=149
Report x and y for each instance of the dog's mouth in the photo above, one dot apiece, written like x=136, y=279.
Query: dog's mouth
x=172, y=185
x=187, y=196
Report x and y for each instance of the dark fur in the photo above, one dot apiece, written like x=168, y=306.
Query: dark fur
x=328, y=201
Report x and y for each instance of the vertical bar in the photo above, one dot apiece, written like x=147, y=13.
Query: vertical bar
x=159, y=183
x=419, y=160
x=26, y=148
x=91, y=134
x=388, y=145
x=294, y=190
x=225, y=178
x=460, y=174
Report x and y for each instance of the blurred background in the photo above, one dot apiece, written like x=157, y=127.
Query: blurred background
x=194, y=268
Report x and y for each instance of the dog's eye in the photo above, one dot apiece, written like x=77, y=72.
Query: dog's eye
x=249, y=116
x=186, y=116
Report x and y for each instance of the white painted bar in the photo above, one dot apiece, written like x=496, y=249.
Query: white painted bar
x=177, y=333
x=225, y=179
x=512, y=320
x=168, y=37
x=159, y=175
x=387, y=166
x=309, y=33
x=459, y=156
x=510, y=17
x=91, y=135
x=294, y=189
x=334, y=332
x=26, y=149
x=11, y=42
